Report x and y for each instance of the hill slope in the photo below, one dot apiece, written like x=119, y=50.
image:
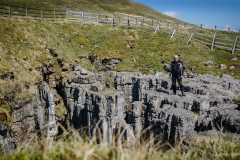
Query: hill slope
x=95, y=6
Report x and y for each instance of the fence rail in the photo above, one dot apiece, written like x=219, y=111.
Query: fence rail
x=190, y=32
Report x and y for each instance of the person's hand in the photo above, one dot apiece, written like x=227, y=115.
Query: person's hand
x=170, y=77
x=181, y=76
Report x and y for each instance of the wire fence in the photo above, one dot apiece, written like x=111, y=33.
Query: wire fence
x=225, y=28
x=185, y=30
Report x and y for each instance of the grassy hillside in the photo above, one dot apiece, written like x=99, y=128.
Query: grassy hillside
x=25, y=44
x=94, y=6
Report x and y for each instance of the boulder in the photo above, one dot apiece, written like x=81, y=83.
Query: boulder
x=231, y=68
x=66, y=67
x=192, y=67
x=151, y=71
x=84, y=72
x=208, y=63
x=167, y=67
x=234, y=59
x=222, y=67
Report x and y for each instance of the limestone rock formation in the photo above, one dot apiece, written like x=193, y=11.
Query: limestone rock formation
x=144, y=101
x=136, y=103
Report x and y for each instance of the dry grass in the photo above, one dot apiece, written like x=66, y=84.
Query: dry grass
x=70, y=145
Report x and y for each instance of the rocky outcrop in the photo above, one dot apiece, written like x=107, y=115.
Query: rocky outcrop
x=27, y=119
x=110, y=102
x=147, y=101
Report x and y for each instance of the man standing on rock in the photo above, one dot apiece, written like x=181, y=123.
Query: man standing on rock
x=176, y=73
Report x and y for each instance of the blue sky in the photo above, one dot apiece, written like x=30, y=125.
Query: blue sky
x=223, y=13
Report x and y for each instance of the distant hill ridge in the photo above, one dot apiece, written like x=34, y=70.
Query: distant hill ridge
x=95, y=6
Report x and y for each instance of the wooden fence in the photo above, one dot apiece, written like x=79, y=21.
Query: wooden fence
x=188, y=31
x=25, y=12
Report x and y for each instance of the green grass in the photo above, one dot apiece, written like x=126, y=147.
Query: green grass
x=107, y=90
x=196, y=116
x=60, y=110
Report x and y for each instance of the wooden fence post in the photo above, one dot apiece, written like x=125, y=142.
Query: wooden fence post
x=26, y=12
x=194, y=33
x=66, y=15
x=10, y=14
x=201, y=26
x=173, y=33
x=190, y=38
x=215, y=26
x=127, y=21
x=234, y=46
x=157, y=29
x=177, y=25
x=112, y=20
x=100, y=18
x=55, y=15
x=213, y=40
x=97, y=17
x=41, y=15
x=185, y=25
x=228, y=28
x=82, y=16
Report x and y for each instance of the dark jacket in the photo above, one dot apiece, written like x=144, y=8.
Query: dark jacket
x=176, y=68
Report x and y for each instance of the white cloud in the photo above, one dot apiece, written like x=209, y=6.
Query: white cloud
x=208, y=27
x=225, y=28
x=174, y=14
x=231, y=28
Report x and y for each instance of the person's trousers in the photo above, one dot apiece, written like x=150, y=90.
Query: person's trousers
x=179, y=79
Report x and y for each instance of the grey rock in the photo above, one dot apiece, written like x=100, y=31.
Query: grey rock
x=84, y=72
x=231, y=68
x=77, y=68
x=192, y=67
x=167, y=67
x=234, y=59
x=96, y=87
x=208, y=63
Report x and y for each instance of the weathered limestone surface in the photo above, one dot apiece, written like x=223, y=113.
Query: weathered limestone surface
x=5, y=137
x=28, y=118
x=142, y=101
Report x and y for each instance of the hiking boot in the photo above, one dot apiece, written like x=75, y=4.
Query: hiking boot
x=174, y=93
x=183, y=94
